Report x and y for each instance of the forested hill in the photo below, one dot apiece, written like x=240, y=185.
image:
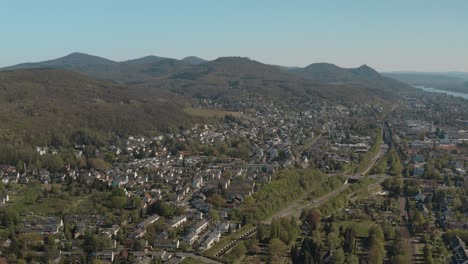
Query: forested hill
x=363, y=76
x=54, y=99
x=41, y=105
x=224, y=72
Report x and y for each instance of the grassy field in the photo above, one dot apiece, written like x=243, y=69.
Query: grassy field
x=27, y=199
x=362, y=227
x=23, y=198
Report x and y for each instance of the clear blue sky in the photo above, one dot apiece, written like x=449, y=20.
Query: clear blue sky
x=423, y=35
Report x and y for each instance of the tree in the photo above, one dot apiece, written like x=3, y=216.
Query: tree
x=376, y=252
x=162, y=209
x=427, y=252
x=339, y=256
x=275, y=228
x=239, y=250
x=418, y=219
x=52, y=162
x=333, y=241
x=352, y=259
x=254, y=248
x=349, y=237
x=313, y=219
x=312, y=248
x=216, y=200
x=214, y=215
x=98, y=164
x=90, y=243
x=276, y=249
x=180, y=210
x=9, y=217
x=118, y=202
x=109, y=157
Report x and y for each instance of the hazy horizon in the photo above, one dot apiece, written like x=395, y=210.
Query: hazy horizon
x=422, y=36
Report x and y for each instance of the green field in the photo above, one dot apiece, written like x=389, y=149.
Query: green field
x=30, y=199
x=361, y=227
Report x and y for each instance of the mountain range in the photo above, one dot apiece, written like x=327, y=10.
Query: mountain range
x=104, y=96
x=151, y=68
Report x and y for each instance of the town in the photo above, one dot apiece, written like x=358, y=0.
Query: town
x=216, y=192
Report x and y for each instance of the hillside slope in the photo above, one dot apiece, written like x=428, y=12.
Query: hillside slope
x=36, y=104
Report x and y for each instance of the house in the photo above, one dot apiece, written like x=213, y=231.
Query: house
x=200, y=226
x=191, y=237
x=138, y=233
x=211, y=239
x=106, y=255
x=109, y=232
x=197, y=182
x=460, y=256
x=195, y=215
x=12, y=176
x=147, y=198
x=40, y=225
x=200, y=196
x=177, y=221
x=224, y=227
x=149, y=221
x=166, y=243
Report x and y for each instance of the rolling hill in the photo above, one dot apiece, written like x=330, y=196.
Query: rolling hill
x=160, y=72
x=37, y=104
x=362, y=76
x=80, y=91
x=234, y=78
x=130, y=71
x=63, y=95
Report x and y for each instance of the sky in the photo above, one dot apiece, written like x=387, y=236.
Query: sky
x=397, y=35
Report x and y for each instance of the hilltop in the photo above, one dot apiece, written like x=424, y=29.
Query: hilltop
x=194, y=60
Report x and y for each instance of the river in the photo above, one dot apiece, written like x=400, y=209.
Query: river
x=433, y=90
